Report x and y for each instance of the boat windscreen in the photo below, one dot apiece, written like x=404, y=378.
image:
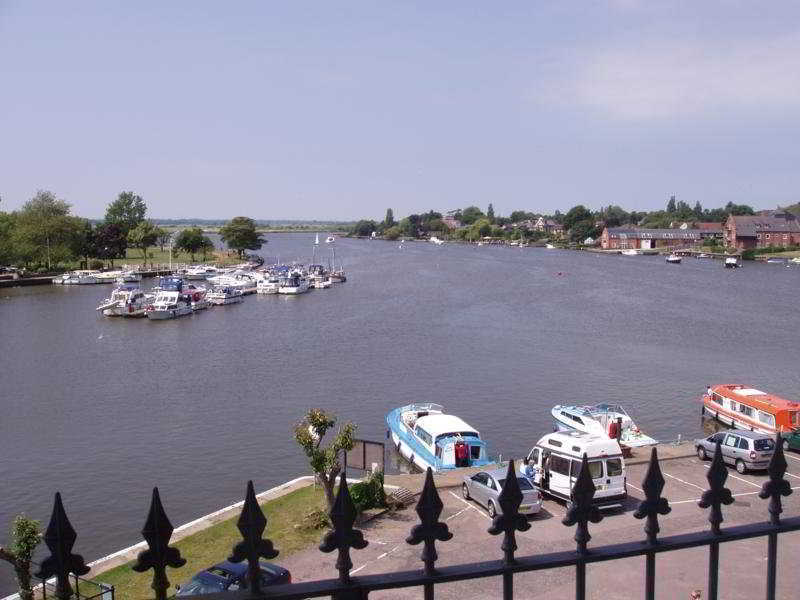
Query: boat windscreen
x=600, y=409
x=467, y=436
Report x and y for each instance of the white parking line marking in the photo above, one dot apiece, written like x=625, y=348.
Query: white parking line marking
x=739, y=478
x=795, y=476
x=787, y=455
x=636, y=488
x=480, y=512
x=684, y=482
x=734, y=495
x=454, y=515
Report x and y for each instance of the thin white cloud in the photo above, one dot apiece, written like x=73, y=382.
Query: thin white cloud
x=654, y=80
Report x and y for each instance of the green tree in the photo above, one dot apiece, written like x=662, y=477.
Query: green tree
x=671, y=207
x=8, y=253
x=392, y=233
x=164, y=236
x=389, y=220
x=240, y=234
x=581, y=230
x=192, y=240
x=143, y=236
x=576, y=214
x=25, y=536
x=110, y=242
x=43, y=229
x=83, y=241
x=309, y=433
x=127, y=211
x=206, y=247
x=470, y=214
x=698, y=210
x=364, y=228
x=490, y=213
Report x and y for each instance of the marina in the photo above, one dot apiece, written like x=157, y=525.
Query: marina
x=427, y=324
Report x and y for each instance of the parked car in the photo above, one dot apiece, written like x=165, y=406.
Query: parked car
x=228, y=576
x=791, y=441
x=744, y=449
x=484, y=487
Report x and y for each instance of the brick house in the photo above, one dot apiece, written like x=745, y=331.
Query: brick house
x=451, y=222
x=625, y=238
x=779, y=228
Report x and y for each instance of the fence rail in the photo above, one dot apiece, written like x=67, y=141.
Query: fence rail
x=342, y=538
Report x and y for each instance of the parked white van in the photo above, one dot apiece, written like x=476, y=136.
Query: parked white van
x=556, y=459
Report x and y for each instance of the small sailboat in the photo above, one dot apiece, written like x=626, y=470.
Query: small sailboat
x=330, y=239
x=316, y=240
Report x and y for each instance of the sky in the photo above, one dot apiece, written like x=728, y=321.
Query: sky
x=340, y=110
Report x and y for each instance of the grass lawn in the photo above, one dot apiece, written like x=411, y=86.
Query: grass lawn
x=212, y=545
x=787, y=254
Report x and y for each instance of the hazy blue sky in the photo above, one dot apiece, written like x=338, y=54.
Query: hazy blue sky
x=342, y=109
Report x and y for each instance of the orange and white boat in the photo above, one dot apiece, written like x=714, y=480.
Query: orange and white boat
x=747, y=408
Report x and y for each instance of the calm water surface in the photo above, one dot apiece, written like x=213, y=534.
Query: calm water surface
x=103, y=409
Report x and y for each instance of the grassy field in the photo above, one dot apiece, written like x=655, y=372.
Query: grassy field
x=212, y=545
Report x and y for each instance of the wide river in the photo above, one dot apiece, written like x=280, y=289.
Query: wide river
x=104, y=409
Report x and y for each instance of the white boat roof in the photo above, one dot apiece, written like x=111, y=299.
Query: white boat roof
x=592, y=445
x=438, y=424
x=749, y=392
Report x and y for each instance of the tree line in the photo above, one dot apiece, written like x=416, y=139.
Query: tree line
x=44, y=234
x=579, y=222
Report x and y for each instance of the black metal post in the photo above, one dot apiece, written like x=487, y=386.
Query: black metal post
x=772, y=559
x=508, y=586
x=428, y=591
x=580, y=581
x=650, y=581
x=713, y=570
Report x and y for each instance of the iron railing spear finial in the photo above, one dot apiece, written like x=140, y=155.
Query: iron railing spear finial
x=60, y=538
x=251, y=525
x=429, y=508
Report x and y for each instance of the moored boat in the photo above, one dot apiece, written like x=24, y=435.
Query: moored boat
x=294, y=283
x=732, y=262
x=427, y=437
x=170, y=301
x=674, y=259
x=130, y=276
x=629, y=252
x=744, y=407
x=224, y=295
x=126, y=301
x=81, y=277
x=609, y=420
x=269, y=285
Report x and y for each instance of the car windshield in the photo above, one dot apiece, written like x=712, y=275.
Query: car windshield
x=199, y=586
x=524, y=484
x=764, y=444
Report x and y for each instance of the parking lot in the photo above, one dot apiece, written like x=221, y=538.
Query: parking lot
x=742, y=563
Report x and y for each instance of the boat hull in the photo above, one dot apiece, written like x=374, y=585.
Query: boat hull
x=724, y=417
x=169, y=313
x=224, y=301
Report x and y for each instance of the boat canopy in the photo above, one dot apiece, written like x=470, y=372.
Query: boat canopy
x=440, y=424
x=596, y=410
x=173, y=284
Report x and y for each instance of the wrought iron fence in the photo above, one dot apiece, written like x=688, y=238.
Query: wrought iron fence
x=343, y=537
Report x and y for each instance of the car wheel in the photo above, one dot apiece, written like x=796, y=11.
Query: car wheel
x=465, y=491
x=740, y=467
x=701, y=453
x=490, y=508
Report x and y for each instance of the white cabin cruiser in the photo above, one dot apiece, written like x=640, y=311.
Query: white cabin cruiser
x=130, y=276
x=224, y=295
x=732, y=262
x=83, y=277
x=427, y=437
x=609, y=420
x=170, y=301
x=630, y=252
x=200, y=273
x=126, y=301
x=295, y=283
x=269, y=285
x=107, y=276
x=674, y=259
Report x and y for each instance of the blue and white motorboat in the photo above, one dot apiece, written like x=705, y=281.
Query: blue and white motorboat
x=427, y=437
x=609, y=420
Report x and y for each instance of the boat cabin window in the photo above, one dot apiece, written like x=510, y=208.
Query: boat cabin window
x=475, y=451
x=794, y=418
x=555, y=443
x=716, y=398
x=424, y=435
x=534, y=457
x=438, y=452
x=746, y=410
x=559, y=464
x=614, y=467
x=767, y=418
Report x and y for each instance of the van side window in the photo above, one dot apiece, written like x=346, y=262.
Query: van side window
x=559, y=464
x=614, y=467
x=743, y=444
x=730, y=440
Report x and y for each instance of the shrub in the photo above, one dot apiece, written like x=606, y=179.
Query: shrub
x=369, y=493
x=749, y=254
x=96, y=264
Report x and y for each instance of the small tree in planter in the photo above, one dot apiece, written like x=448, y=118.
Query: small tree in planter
x=324, y=460
x=25, y=536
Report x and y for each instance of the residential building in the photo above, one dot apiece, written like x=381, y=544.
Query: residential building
x=624, y=238
x=549, y=226
x=778, y=228
x=451, y=222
